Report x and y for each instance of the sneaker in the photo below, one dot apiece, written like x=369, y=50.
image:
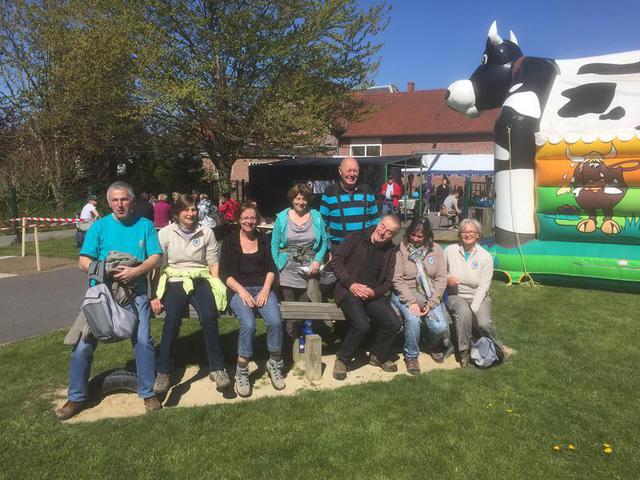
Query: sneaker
x=243, y=385
x=162, y=384
x=69, y=409
x=464, y=358
x=387, y=366
x=413, y=367
x=220, y=378
x=152, y=404
x=275, y=367
x=339, y=370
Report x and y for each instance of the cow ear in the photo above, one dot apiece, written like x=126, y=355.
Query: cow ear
x=493, y=36
x=512, y=38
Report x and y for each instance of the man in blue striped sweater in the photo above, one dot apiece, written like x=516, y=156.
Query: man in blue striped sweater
x=348, y=206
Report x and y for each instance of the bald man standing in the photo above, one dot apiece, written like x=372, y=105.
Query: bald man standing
x=348, y=206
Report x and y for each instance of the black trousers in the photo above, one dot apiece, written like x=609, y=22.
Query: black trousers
x=291, y=294
x=360, y=314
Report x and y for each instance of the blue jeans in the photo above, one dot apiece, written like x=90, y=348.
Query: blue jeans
x=82, y=357
x=270, y=313
x=387, y=207
x=175, y=300
x=412, y=324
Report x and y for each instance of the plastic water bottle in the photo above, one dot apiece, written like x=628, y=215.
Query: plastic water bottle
x=306, y=330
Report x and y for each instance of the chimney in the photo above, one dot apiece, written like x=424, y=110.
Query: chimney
x=411, y=87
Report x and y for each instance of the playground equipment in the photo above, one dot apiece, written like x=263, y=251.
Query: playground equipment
x=567, y=161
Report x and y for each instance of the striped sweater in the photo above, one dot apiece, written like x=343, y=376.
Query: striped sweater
x=345, y=212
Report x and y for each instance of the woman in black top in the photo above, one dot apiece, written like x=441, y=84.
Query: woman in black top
x=247, y=268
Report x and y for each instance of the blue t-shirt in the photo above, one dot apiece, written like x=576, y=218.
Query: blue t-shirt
x=139, y=239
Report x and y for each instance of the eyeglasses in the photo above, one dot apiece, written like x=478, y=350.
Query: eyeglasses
x=248, y=219
x=469, y=233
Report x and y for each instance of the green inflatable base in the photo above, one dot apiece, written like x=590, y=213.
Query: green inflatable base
x=586, y=265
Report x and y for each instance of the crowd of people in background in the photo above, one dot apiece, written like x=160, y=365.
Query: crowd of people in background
x=344, y=251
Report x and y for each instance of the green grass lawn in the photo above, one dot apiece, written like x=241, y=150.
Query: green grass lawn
x=573, y=381
x=56, y=247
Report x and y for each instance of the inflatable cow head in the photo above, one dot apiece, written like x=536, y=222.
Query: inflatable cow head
x=489, y=85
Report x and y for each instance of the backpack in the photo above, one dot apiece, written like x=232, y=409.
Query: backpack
x=485, y=352
x=108, y=321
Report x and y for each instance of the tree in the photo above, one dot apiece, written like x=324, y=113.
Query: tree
x=68, y=74
x=246, y=77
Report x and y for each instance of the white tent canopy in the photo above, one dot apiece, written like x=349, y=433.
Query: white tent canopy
x=445, y=164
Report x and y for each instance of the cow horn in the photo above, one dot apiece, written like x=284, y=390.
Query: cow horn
x=612, y=153
x=572, y=158
x=513, y=38
x=494, y=38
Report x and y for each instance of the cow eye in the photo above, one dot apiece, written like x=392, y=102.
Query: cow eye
x=484, y=59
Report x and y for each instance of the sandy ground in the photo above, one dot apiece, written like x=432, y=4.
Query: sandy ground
x=195, y=389
x=21, y=265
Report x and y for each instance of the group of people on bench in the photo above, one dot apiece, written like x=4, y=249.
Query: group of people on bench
x=346, y=237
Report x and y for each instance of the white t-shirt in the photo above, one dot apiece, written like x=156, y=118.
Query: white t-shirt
x=389, y=191
x=87, y=212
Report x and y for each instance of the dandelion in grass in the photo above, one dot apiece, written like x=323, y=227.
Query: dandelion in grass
x=556, y=448
x=508, y=411
x=606, y=448
x=571, y=446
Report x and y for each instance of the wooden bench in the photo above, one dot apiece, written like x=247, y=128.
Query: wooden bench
x=311, y=361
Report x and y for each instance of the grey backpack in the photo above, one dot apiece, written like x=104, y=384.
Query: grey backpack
x=108, y=321
x=485, y=352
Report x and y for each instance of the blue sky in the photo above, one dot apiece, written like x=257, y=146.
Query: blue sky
x=434, y=42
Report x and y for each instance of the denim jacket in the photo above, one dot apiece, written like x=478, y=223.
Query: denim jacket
x=279, y=238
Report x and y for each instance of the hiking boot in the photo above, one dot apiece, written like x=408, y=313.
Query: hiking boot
x=243, y=385
x=413, y=367
x=464, y=358
x=339, y=370
x=220, y=378
x=275, y=367
x=387, y=366
x=162, y=384
x=69, y=409
x=437, y=357
x=152, y=404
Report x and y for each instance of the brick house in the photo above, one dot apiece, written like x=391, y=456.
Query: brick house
x=415, y=122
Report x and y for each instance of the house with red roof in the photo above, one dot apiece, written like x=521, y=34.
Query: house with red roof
x=414, y=122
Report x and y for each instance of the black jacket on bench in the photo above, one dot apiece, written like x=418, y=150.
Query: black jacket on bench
x=350, y=258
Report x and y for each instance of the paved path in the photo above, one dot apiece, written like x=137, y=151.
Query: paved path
x=38, y=303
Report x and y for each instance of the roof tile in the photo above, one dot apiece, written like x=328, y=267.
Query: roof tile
x=423, y=112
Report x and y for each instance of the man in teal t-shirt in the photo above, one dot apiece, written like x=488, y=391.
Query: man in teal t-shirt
x=121, y=232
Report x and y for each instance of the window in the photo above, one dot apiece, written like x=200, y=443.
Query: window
x=366, y=150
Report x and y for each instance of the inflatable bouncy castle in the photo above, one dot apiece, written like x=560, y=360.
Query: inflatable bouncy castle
x=567, y=161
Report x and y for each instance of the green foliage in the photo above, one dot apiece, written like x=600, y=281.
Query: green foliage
x=573, y=380
x=68, y=73
x=95, y=89
x=248, y=78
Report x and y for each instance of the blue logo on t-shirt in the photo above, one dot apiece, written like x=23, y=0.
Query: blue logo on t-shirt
x=431, y=260
x=474, y=264
x=196, y=242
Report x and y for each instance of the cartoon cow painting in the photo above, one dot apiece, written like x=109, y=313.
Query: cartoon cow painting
x=598, y=186
x=584, y=99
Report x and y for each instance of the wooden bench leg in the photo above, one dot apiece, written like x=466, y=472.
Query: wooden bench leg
x=313, y=357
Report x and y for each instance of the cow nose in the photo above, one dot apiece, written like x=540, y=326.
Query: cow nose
x=446, y=95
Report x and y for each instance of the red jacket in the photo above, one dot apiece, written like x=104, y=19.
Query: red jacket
x=395, y=195
x=228, y=209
